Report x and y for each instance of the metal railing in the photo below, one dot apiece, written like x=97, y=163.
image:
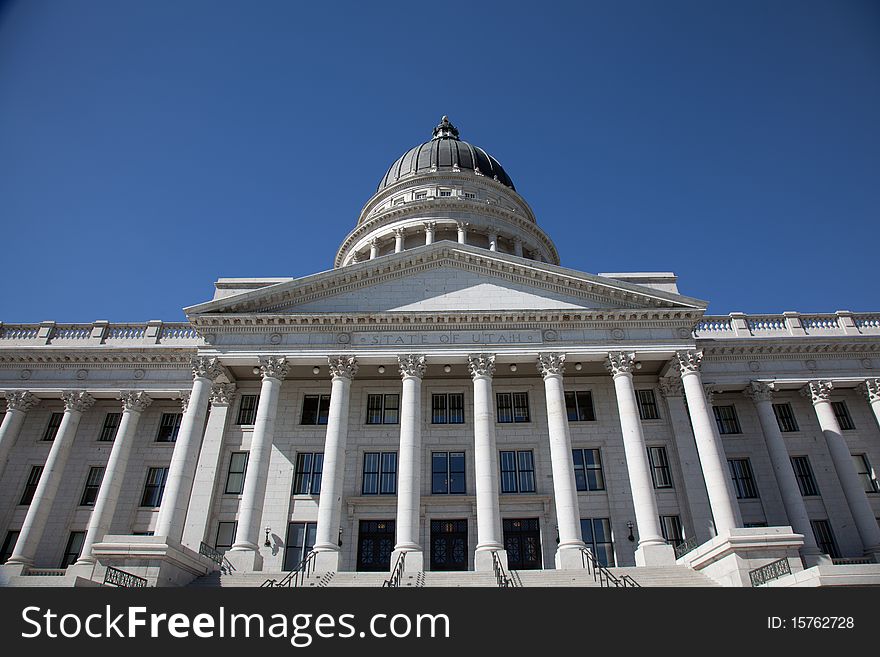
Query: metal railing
x=216, y=556
x=501, y=578
x=851, y=561
x=769, y=572
x=122, y=579
x=687, y=545
x=602, y=575
x=396, y=573
x=297, y=576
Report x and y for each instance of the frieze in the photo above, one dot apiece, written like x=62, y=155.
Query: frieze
x=444, y=338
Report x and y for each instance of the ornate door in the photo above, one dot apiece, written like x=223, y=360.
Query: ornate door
x=375, y=545
x=522, y=540
x=449, y=545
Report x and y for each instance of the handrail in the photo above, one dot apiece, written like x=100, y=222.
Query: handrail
x=501, y=578
x=602, y=575
x=297, y=576
x=123, y=579
x=217, y=557
x=769, y=572
x=687, y=545
x=396, y=573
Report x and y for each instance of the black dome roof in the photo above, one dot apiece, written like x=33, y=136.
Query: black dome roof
x=445, y=152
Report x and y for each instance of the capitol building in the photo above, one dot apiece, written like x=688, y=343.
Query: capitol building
x=451, y=406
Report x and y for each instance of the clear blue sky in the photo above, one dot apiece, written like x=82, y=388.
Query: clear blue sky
x=148, y=148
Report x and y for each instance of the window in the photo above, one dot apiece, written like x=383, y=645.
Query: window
x=31, y=486
x=825, y=537
x=247, y=409
x=154, y=486
x=300, y=540
x=169, y=426
x=225, y=535
x=671, y=528
x=588, y=469
x=235, y=476
x=785, y=417
x=469, y=195
x=725, y=417
x=866, y=473
x=383, y=409
x=743, y=482
x=447, y=473
x=74, y=547
x=52, y=428
x=579, y=406
x=93, y=485
x=316, y=409
x=660, y=467
x=8, y=545
x=447, y=408
x=108, y=430
x=596, y=533
x=647, y=405
x=517, y=472
x=513, y=406
x=307, y=480
x=841, y=412
x=804, y=475
x=380, y=473
x=445, y=192
x=420, y=196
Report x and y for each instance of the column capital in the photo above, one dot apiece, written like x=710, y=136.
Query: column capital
x=710, y=390
x=206, y=367
x=670, y=386
x=551, y=364
x=222, y=394
x=758, y=391
x=620, y=362
x=818, y=391
x=481, y=365
x=374, y=241
x=77, y=400
x=399, y=232
x=21, y=400
x=135, y=400
x=412, y=365
x=275, y=367
x=689, y=361
x=183, y=396
x=430, y=225
x=461, y=225
x=871, y=390
x=342, y=366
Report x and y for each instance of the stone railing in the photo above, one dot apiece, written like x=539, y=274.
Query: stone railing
x=740, y=325
x=101, y=332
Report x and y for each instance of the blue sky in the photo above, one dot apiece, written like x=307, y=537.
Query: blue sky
x=148, y=148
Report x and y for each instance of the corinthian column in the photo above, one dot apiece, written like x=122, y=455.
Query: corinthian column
x=871, y=390
x=761, y=395
x=430, y=226
x=489, y=535
x=18, y=403
x=819, y=392
x=719, y=486
x=342, y=370
x=178, y=486
x=568, y=516
x=133, y=404
x=412, y=369
x=652, y=549
x=75, y=404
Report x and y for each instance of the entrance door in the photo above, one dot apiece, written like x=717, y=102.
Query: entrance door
x=522, y=540
x=375, y=544
x=449, y=545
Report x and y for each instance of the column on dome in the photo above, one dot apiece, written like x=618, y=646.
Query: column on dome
x=412, y=370
x=761, y=395
x=430, y=227
x=819, y=392
x=652, y=549
x=871, y=390
x=493, y=239
x=716, y=473
x=134, y=403
x=569, y=553
x=697, y=498
x=374, y=248
x=517, y=247
x=18, y=403
x=75, y=404
x=245, y=551
x=399, y=234
x=178, y=486
x=462, y=231
x=342, y=369
x=489, y=536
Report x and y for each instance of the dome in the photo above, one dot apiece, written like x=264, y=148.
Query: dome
x=445, y=152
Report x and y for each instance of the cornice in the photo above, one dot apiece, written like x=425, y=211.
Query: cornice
x=98, y=358
x=790, y=348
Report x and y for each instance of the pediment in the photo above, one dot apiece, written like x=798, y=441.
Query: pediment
x=445, y=277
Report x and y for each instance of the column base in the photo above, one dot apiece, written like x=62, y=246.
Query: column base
x=873, y=553
x=244, y=560
x=815, y=558
x=85, y=569
x=414, y=562
x=655, y=555
x=326, y=561
x=483, y=559
x=570, y=558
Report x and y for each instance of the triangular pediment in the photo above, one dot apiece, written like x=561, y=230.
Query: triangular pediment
x=445, y=277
